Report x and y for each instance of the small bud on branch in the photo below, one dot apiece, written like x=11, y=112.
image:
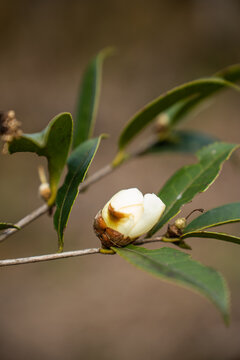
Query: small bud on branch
x=44, y=188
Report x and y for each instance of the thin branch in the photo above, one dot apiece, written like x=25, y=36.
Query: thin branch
x=104, y=171
x=144, y=146
x=25, y=221
x=66, y=254
x=44, y=208
x=48, y=257
x=148, y=241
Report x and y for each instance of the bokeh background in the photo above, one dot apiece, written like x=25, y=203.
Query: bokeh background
x=101, y=307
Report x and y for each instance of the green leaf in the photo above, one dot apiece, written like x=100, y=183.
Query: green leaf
x=164, y=102
x=4, y=226
x=181, y=109
x=78, y=164
x=212, y=235
x=181, y=141
x=230, y=73
x=177, y=267
x=54, y=143
x=221, y=215
x=192, y=179
x=88, y=99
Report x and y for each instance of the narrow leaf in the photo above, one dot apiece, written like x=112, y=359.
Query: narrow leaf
x=181, y=141
x=230, y=73
x=88, y=99
x=192, y=179
x=212, y=235
x=177, y=267
x=53, y=143
x=221, y=215
x=180, y=110
x=78, y=164
x=4, y=226
x=164, y=102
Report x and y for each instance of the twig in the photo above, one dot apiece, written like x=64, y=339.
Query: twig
x=104, y=171
x=148, y=241
x=66, y=254
x=25, y=221
x=83, y=186
x=44, y=208
x=33, y=259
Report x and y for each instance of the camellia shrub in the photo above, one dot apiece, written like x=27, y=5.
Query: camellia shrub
x=129, y=220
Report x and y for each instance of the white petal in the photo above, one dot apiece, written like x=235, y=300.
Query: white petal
x=153, y=209
x=124, y=226
x=125, y=198
x=127, y=202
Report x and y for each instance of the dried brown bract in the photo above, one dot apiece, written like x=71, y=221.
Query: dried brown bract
x=10, y=128
x=108, y=236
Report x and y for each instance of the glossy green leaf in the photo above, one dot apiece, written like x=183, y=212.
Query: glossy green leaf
x=230, y=73
x=88, y=99
x=177, y=267
x=180, y=110
x=181, y=141
x=212, y=235
x=164, y=102
x=54, y=143
x=192, y=179
x=221, y=215
x=4, y=226
x=78, y=165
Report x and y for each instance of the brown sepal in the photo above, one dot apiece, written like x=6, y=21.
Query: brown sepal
x=108, y=236
x=173, y=231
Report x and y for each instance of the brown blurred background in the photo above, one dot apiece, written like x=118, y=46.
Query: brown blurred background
x=101, y=307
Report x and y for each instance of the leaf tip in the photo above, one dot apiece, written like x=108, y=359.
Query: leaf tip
x=108, y=51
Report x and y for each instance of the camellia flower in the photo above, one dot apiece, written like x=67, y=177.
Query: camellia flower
x=126, y=216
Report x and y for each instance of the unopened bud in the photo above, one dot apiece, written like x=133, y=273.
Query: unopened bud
x=181, y=223
x=11, y=114
x=162, y=123
x=45, y=191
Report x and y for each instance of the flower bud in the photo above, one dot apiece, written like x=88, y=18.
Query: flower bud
x=181, y=223
x=126, y=216
x=162, y=123
x=45, y=191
